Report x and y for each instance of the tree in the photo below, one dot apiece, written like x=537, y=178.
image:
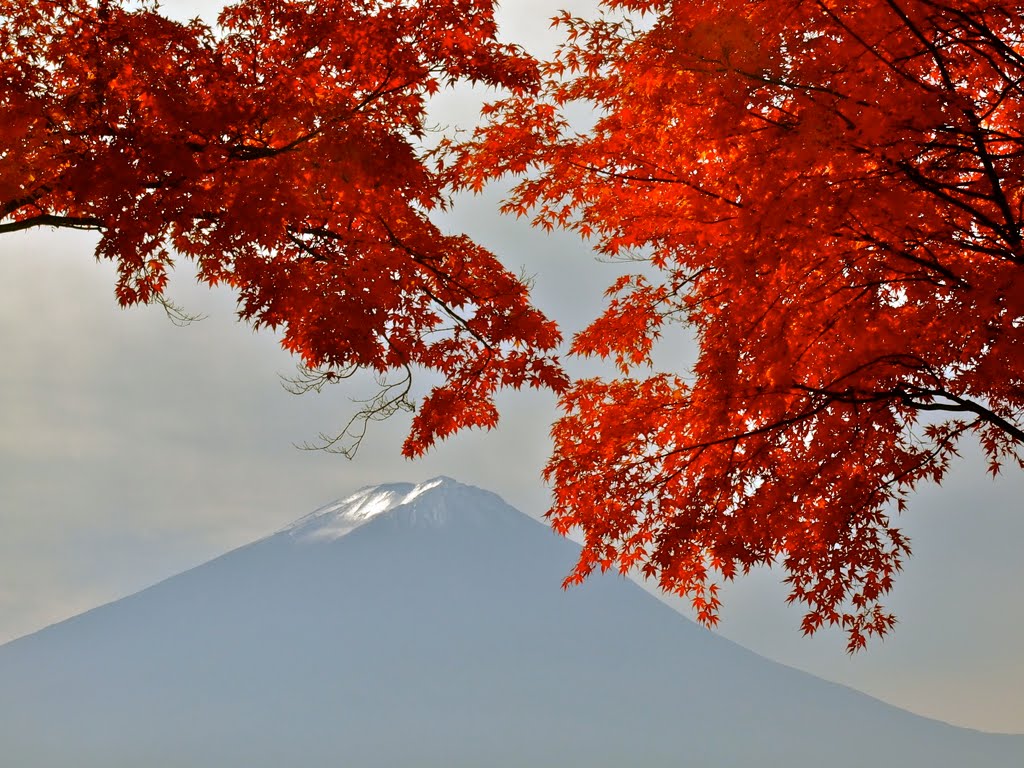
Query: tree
x=282, y=154
x=830, y=195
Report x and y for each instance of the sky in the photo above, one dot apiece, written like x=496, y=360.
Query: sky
x=132, y=449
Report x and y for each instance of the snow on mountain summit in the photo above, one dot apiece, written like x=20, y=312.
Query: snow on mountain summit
x=425, y=503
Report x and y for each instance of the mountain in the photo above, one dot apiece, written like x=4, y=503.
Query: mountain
x=421, y=626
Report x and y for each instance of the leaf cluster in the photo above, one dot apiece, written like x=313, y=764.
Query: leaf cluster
x=281, y=152
x=830, y=196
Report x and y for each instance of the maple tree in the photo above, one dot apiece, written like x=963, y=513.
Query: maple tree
x=830, y=196
x=282, y=152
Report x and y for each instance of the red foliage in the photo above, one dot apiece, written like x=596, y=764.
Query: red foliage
x=830, y=196
x=280, y=153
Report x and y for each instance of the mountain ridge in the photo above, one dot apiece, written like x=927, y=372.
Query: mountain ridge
x=450, y=631
x=340, y=517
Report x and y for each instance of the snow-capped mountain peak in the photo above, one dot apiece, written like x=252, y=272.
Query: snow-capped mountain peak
x=338, y=518
x=441, y=619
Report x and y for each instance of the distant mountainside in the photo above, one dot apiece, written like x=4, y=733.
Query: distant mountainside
x=424, y=627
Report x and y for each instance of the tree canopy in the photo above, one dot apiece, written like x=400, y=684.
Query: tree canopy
x=829, y=195
x=280, y=154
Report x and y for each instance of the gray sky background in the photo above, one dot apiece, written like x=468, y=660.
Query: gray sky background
x=131, y=449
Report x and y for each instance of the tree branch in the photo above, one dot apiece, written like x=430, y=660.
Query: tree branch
x=48, y=220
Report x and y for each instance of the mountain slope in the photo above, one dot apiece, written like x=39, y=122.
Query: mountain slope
x=424, y=626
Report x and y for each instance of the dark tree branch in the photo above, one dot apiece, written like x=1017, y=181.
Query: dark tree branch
x=48, y=220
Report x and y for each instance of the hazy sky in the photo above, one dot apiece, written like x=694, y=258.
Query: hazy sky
x=131, y=449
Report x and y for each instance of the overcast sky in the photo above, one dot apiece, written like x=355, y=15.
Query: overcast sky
x=131, y=449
